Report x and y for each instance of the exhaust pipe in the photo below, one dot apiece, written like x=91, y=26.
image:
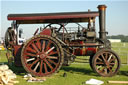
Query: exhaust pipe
x=102, y=21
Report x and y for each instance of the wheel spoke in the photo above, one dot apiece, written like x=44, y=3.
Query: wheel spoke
x=99, y=59
x=41, y=66
x=52, y=57
x=48, y=64
x=109, y=57
x=34, y=63
x=106, y=55
x=43, y=46
x=50, y=50
x=31, y=50
x=109, y=69
x=35, y=47
x=36, y=66
x=52, y=61
x=31, y=59
x=38, y=44
x=111, y=63
x=30, y=54
x=100, y=63
x=52, y=53
x=112, y=59
x=45, y=67
x=103, y=58
x=49, y=43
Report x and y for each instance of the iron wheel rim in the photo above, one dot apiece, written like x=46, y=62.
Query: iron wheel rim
x=106, y=63
x=40, y=60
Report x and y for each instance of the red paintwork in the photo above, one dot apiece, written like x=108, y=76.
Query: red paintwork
x=83, y=51
x=77, y=52
x=52, y=16
x=46, y=32
x=92, y=49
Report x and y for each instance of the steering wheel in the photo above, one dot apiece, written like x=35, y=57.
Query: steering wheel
x=57, y=27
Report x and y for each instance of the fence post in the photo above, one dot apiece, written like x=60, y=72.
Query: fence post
x=127, y=58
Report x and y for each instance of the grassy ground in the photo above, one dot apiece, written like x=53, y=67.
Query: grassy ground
x=77, y=74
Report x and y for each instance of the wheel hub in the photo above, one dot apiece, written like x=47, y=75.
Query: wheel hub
x=107, y=63
x=42, y=56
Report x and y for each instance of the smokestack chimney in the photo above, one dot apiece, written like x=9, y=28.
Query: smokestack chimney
x=102, y=21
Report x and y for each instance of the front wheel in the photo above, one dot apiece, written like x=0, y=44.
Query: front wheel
x=106, y=62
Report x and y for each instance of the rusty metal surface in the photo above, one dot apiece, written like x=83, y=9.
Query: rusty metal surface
x=86, y=44
x=46, y=32
x=17, y=55
x=44, y=16
x=52, y=17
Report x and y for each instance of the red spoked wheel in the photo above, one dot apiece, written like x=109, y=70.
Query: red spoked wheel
x=42, y=55
x=106, y=62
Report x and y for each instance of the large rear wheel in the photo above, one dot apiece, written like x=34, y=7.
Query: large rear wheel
x=106, y=62
x=42, y=55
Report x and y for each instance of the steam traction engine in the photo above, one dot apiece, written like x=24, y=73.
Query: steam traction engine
x=54, y=45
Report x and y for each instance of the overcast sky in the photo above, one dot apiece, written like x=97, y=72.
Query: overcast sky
x=116, y=17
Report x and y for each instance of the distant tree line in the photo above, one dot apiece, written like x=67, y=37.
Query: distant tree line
x=122, y=37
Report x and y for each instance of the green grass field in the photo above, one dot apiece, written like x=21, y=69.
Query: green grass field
x=122, y=50
x=77, y=72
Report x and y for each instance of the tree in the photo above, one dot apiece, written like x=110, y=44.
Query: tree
x=122, y=37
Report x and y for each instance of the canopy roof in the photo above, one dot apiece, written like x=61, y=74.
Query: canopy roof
x=65, y=17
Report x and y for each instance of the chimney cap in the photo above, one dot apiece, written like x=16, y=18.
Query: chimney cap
x=102, y=7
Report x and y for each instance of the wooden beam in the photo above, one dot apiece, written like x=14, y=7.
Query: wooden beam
x=118, y=82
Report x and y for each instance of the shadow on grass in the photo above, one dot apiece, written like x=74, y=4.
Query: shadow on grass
x=2, y=63
x=18, y=70
x=80, y=62
x=124, y=73
x=79, y=70
x=81, y=59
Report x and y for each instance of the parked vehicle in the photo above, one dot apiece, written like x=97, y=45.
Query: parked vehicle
x=46, y=52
